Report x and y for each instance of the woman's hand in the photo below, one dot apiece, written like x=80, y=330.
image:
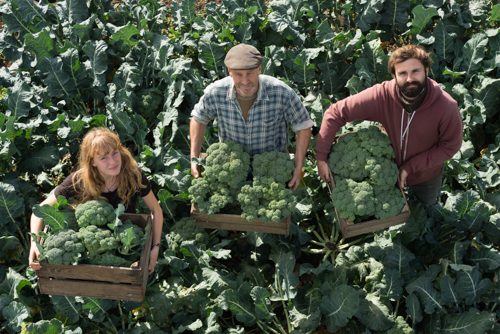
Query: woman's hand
x=153, y=258
x=34, y=256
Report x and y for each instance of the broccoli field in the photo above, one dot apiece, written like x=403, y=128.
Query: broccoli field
x=139, y=66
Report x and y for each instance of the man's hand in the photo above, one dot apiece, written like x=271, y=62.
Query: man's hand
x=153, y=258
x=296, y=178
x=324, y=171
x=403, y=174
x=194, y=169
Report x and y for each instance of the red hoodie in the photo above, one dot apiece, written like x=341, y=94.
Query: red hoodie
x=434, y=135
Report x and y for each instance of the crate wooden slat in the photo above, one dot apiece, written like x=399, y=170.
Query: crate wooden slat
x=237, y=223
x=107, y=282
x=350, y=229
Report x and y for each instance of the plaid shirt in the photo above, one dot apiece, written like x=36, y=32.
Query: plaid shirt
x=265, y=129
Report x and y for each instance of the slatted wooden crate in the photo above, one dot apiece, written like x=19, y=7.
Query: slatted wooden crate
x=106, y=282
x=232, y=222
x=350, y=229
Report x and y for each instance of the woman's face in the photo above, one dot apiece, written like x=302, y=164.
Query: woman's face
x=108, y=164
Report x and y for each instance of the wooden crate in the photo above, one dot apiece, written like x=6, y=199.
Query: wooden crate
x=106, y=282
x=233, y=222
x=350, y=229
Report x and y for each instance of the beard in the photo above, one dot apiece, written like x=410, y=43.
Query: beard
x=412, y=89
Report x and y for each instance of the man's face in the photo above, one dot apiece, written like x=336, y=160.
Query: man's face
x=410, y=76
x=246, y=82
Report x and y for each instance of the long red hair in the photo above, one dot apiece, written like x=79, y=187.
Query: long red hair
x=88, y=181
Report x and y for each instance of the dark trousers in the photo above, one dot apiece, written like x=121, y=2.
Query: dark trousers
x=427, y=192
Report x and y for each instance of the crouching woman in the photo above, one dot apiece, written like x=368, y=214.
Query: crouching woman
x=106, y=169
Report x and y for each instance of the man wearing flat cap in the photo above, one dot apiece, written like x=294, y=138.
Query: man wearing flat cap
x=252, y=109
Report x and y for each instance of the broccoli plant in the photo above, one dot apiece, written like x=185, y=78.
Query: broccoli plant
x=94, y=212
x=365, y=175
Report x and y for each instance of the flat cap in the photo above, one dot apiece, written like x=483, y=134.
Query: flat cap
x=243, y=57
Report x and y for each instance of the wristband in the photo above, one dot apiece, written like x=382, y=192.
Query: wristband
x=155, y=245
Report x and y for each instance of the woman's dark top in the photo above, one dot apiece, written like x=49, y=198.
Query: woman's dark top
x=67, y=190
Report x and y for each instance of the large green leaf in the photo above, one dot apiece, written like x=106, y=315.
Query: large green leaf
x=487, y=91
x=445, y=39
x=211, y=55
x=24, y=16
x=98, y=59
x=51, y=217
x=57, y=78
x=473, y=54
x=421, y=18
x=395, y=14
x=283, y=21
x=285, y=280
x=449, y=295
x=41, y=44
x=368, y=13
x=53, y=326
x=471, y=321
x=471, y=284
x=10, y=249
x=77, y=10
x=19, y=101
x=239, y=303
x=39, y=159
x=126, y=35
x=339, y=305
x=263, y=309
x=374, y=314
x=413, y=308
x=424, y=288
x=11, y=204
x=15, y=313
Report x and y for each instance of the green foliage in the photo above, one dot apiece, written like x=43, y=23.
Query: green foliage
x=64, y=247
x=139, y=67
x=94, y=212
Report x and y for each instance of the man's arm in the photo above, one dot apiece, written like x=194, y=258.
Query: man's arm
x=196, y=133
x=302, y=138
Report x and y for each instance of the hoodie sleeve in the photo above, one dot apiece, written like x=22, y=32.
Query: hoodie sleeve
x=448, y=143
x=361, y=106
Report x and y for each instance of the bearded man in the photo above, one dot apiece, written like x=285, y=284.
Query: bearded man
x=422, y=121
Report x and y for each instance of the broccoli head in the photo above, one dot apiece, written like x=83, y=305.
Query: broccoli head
x=274, y=164
x=110, y=259
x=63, y=247
x=225, y=171
x=95, y=212
x=353, y=199
x=266, y=199
x=97, y=240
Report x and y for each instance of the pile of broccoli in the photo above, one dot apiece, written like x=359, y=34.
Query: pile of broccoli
x=365, y=175
x=224, y=172
x=257, y=187
x=102, y=238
